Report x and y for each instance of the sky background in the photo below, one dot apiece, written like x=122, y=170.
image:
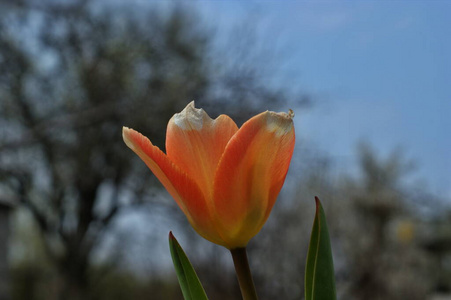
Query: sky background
x=381, y=72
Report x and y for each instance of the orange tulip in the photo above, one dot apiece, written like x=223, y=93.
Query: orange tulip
x=224, y=179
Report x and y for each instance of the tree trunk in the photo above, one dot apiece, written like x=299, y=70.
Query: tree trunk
x=74, y=271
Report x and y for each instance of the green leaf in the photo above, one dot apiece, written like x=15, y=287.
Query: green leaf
x=189, y=282
x=319, y=270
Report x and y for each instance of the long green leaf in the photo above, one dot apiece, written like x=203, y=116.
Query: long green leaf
x=189, y=282
x=319, y=271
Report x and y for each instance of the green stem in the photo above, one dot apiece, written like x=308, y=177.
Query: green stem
x=243, y=272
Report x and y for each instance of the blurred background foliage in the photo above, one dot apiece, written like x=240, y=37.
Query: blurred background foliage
x=73, y=73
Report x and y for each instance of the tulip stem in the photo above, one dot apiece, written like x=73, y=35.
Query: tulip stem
x=243, y=272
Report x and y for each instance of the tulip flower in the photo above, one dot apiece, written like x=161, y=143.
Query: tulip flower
x=225, y=179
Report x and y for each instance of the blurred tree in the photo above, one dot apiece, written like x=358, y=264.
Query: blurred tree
x=71, y=75
x=378, y=236
x=436, y=241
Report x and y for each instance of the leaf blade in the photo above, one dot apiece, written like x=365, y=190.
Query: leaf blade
x=319, y=270
x=189, y=282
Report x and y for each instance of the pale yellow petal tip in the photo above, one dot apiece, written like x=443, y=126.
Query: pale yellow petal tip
x=280, y=123
x=289, y=115
x=126, y=137
x=191, y=118
x=125, y=132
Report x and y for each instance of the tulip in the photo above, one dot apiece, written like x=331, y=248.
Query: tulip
x=225, y=179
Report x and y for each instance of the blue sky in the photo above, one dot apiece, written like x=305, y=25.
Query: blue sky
x=382, y=67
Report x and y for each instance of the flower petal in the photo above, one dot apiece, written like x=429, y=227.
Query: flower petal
x=250, y=175
x=195, y=142
x=180, y=186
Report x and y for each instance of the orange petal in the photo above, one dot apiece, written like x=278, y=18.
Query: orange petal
x=250, y=175
x=195, y=142
x=180, y=186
